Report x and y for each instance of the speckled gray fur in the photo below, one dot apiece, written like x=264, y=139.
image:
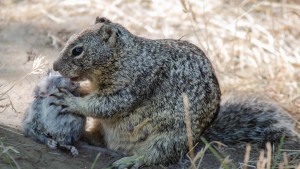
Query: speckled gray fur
x=254, y=119
x=140, y=84
x=43, y=121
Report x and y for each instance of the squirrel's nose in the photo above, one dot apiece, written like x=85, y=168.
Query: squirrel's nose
x=55, y=66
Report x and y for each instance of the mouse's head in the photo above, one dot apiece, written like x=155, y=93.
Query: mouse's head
x=51, y=84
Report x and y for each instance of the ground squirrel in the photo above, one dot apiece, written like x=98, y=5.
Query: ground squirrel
x=43, y=121
x=139, y=85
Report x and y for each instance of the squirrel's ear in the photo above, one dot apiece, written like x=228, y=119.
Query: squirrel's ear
x=109, y=34
x=102, y=20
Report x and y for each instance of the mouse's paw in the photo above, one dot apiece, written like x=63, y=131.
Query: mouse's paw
x=74, y=151
x=52, y=144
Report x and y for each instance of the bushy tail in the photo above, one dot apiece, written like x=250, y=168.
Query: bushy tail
x=252, y=119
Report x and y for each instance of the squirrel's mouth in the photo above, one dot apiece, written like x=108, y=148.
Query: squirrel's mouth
x=77, y=78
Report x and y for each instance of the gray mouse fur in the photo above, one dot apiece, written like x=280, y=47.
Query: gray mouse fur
x=43, y=121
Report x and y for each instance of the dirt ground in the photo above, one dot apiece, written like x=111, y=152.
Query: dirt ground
x=32, y=155
x=21, y=40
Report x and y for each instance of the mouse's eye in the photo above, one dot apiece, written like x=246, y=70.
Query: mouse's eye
x=42, y=94
x=77, y=51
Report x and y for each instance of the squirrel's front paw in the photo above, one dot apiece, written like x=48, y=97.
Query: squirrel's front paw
x=65, y=99
x=63, y=93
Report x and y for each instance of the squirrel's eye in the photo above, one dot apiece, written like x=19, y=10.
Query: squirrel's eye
x=77, y=51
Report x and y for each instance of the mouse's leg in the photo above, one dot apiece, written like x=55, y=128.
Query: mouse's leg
x=73, y=150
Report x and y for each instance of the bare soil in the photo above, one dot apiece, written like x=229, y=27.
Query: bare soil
x=33, y=155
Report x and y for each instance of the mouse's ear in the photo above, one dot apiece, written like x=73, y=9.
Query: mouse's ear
x=49, y=71
x=52, y=73
x=102, y=20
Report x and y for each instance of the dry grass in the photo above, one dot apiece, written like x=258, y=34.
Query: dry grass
x=247, y=155
x=268, y=160
x=271, y=161
x=39, y=67
x=5, y=155
x=189, y=128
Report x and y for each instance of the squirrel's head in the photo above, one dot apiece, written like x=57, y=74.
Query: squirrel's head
x=91, y=49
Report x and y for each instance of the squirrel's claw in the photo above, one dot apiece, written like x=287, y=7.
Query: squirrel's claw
x=65, y=107
x=62, y=93
x=66, y=110
x=57, y=102
x=58, y=95
x=65, y=91
x=67, y=100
